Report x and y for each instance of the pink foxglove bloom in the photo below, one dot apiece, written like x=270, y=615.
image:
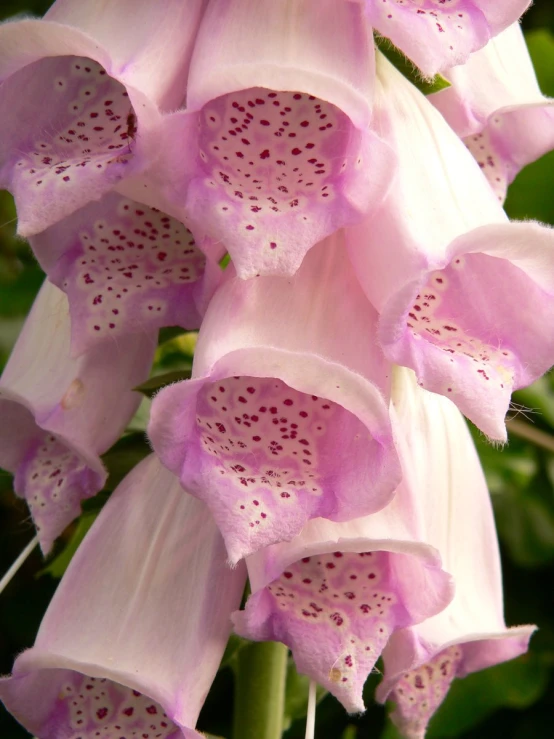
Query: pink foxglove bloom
x=285, y=417
x=59, y=414
x=337, y=592
x=496, y=106
x=274, y=148
x=458, y=287
x=126, y=268
x=470, y=634
x=134, y=635
x=94, y=86
x=436, y=34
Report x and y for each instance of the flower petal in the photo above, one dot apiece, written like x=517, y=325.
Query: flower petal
x=132, y=637
x=436, y=34
x=470, y=634
x=126, y=268
x=442, y=265
x=59, y=414
x=284, y=419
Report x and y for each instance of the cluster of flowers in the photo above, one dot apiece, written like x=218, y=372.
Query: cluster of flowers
x=375, y=289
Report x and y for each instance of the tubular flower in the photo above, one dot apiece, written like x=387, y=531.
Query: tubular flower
x=284, y=418
x=94, y=87
x=275, y=152
x=133, y=637
x=457, y=286
x=470, y=633
x=436, y=34
x=495, y=104
x=59, y=414
x=337, y=592
x=126, y=268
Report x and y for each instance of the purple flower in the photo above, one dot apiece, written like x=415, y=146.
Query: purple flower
x=136, y=630
x=126, y=268
x=274, y=152
x=457, y=286
x=94, y=88
x=470, y=633
x=60, y=413
x=496, y=106
x=285, y=417
x=436, y=34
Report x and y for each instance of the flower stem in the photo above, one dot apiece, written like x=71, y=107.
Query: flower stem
x=260, y=691
x=18, y=562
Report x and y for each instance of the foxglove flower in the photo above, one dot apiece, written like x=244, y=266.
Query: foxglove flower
x=494, y=103
x=285, y=417
x=458, y=288
x=94, y=86
x=134, y=635
x=274, y=149
x=126, y=268
x=436, y=34
x=470, y=634
x=337, y=592
x=59, y=414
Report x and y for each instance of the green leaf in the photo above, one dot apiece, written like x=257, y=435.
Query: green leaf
x=60, y=563
x=168, y=333
x=151, y=386
x=123, y=456
x=409, y=70
x=515, y=684
x=225, y=261
x=540, y=43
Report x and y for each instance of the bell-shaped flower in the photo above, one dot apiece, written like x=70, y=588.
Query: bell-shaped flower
x=436, y=34
x=495, y=104
x=59, y=413
x=459, y=289
x=470, y=634
x=285, y=417
x=274, y=152
x=337, y=592
x=81, y=96
x=126, y=268
x=134, y=635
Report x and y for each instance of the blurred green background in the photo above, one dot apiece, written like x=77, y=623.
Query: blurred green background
x=515, y=700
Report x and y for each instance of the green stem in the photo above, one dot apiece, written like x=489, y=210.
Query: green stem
x=260, y=691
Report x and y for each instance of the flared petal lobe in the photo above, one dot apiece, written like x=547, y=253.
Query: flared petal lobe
x=494, y=103
x=135, y=633
x=437, y=34
x=442, y=265
x=126, y=268
x=59, y=414
x=285, y=417
x=275, y=151
x=470, y=633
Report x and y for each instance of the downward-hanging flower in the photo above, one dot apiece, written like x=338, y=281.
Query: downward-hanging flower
x=494, y=103
x=285, y=417
x=134, y=635
x=470, y=633
x=274, y=152
x=94, y=84
x=126, y=268
x=337, y=592
x=59, y=414
x=458, y=287
x=436, y=34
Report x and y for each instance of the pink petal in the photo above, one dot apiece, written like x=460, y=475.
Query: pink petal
x=276, y=153
x=494, y=103
x=60, y=413
x=442, y=266
x=284, y=419
x=126, y=268
x=436, y=35
x=132, y=637
x=470, y=633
